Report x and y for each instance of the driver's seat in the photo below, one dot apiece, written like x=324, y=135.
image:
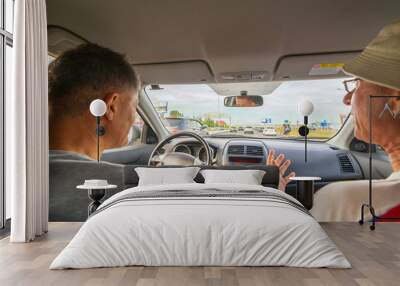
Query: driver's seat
x=66, y=203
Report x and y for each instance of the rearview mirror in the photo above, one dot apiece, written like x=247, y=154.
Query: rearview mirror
x=243, y=101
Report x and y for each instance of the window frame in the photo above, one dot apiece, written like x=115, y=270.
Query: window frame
x=146, y=130
x=6, y=39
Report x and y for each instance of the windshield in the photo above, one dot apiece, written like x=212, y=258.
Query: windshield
x=200, y=107
x=175, y=124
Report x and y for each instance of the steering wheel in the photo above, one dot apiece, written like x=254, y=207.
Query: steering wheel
x=179, y=158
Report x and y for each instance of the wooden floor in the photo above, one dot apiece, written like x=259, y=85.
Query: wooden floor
x=375, y=257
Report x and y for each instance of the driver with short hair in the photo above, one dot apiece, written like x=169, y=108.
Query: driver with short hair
x=76, y=78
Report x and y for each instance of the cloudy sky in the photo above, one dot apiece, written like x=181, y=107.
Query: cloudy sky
x=200, y=99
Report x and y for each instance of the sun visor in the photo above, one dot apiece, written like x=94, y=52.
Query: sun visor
x=175, y=73
x=252, y=88
x=299, y=67
x=60, y=40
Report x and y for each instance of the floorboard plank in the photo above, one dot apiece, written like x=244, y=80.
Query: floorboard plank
x=374, y=255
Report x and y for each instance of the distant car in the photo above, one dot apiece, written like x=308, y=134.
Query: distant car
x=233, y=130
x=269, y=131
x=248, y=130
x=240, y=129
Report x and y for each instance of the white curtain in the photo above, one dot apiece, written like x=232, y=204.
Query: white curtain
x=27, y=122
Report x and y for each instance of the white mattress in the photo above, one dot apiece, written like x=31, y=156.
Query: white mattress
x=200, y=231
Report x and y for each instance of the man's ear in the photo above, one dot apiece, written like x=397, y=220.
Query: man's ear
x=111, y=101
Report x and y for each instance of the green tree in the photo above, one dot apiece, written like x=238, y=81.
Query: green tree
x=175, y=114
x=208, y=122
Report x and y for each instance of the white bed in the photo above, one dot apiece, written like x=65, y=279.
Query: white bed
x=207, y=230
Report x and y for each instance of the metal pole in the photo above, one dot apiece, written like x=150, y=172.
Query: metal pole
x=98, y=137
x=305, y=147
x=305, y=137
x=370, y=149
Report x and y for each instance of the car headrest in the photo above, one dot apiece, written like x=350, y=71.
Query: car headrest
x=271, y=177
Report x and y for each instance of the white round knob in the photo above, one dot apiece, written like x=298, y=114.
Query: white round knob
x=306, y=107
x=98, y=107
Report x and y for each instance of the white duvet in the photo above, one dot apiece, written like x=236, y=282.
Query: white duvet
x=200, y=231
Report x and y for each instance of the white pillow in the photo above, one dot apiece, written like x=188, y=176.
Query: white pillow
x=166, y=176
x=248, y=177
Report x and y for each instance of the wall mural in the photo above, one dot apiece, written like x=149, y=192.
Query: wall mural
x=387, y=109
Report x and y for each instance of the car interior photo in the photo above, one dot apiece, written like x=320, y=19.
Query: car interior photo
x=200, y=142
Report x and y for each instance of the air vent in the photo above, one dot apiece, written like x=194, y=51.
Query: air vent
x=254, y=151
x=345, y=163
x=236, y=150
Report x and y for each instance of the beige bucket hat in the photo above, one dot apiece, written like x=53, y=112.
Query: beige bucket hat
x=379, y=63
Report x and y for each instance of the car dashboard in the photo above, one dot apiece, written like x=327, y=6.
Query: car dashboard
x=195, y=149
x=324, y=160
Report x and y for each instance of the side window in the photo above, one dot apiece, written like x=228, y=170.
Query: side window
x=136, y=132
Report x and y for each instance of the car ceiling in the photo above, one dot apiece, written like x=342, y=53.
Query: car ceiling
x=211, y=38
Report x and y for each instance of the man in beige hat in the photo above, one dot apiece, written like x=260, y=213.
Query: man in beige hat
x=377, y=73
